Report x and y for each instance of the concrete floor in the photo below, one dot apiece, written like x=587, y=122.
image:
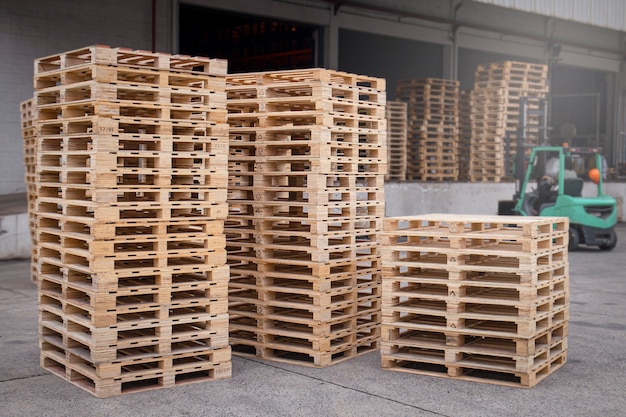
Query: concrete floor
x=592, y=383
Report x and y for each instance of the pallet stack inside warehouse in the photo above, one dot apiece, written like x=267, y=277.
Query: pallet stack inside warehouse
x=131, y=200
x=432, y=128
x=396, y=140
x=465, y=133
x=498, y=90
x=30, y=148
x=482, y=298
x=306, y=202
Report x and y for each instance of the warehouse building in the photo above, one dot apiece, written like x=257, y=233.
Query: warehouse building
x=582, y=44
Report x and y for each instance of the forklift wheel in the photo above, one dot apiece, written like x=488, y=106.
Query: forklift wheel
x=611, y=243
x=574, y=239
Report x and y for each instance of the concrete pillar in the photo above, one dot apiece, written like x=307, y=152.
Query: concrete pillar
x=331, y=42
x=175, y=27
x=450, y=61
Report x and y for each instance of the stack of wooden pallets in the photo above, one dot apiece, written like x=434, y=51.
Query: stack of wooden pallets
x=306, y=202
x=482, y=298
x=432, y=128
x=30, y=149
x=131, y=202
x=396, y=140
x=498, y=90
x=465, y=133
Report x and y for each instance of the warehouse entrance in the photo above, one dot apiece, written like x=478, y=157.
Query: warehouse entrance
x=249, y=43
x=580, y=107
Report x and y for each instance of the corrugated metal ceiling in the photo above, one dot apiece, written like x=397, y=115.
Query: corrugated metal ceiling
x=604, y=13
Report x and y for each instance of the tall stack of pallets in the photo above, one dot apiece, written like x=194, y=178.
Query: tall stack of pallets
x=396, y=140
x=30, y=148
x=131, y=202
x=433, y=108
x=306, y=203
x=465, y=133
x=498, y=90
x=482, y=298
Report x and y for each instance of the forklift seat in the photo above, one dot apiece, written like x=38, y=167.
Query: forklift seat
x=573, y=187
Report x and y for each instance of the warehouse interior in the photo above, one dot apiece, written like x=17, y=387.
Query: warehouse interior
x=386, y=43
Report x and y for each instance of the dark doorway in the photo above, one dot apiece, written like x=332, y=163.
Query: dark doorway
x=249, y=43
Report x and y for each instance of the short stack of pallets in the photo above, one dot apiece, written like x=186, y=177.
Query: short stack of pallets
x=465, y=133
x=481, y=298
x=306, y=203
x=30, y=148
x=396, y=140
x=131, y=195
x=495, y=114
x=433, y=106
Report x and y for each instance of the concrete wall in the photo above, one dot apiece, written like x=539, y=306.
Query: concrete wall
x=14, y=237
x=401, y=199
x=411, y=198
x=32, y=29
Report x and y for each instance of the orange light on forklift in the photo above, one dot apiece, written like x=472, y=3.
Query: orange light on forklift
x=565, y=145
x=594, y=175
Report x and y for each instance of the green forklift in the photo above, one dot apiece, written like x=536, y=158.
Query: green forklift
x=552, y=184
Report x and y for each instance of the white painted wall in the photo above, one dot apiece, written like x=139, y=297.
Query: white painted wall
x=33, y=29
x=411, y=198
x=15, y=240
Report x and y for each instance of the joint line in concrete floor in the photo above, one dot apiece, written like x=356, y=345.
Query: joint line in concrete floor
x=345, y=387
x=24, y=377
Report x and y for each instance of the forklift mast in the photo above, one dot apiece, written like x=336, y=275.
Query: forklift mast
x=521, y=143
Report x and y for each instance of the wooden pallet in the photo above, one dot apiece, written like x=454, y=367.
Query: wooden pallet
x=245, y=140
x=306, y=350
x=280, y=121
x=337, y=181
x=85, y=92
x=302, y=97
x=518, y=355
x=291, y=78
x=396, y=140
x=486, y=371
x=141, y=111
x=132, y=77
x=179, y=276
x=162, y=372
x=105, y=55
x=512, y=69
x=479, y=225
x=117, y=125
